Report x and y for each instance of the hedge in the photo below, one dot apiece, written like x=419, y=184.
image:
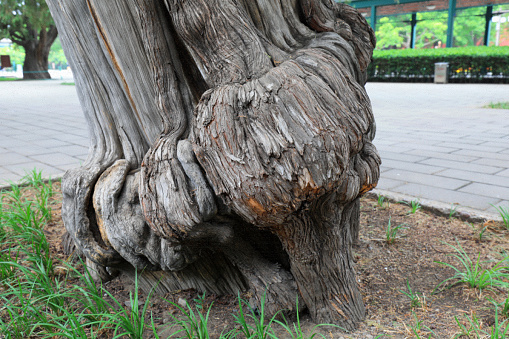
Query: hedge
x=466, y=64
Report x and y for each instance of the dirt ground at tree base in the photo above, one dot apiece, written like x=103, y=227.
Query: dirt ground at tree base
x=383, y=271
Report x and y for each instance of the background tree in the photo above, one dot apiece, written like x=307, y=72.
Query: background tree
x=29, y=24
x=230, y=143
x=394, y=31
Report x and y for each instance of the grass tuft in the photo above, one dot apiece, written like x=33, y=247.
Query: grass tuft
x=473, y=274
x=504, y=213
x=391, y=232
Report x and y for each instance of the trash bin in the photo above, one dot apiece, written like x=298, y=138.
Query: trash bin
x=441, y=72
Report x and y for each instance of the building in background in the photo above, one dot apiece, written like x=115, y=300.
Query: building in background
x=437, y=23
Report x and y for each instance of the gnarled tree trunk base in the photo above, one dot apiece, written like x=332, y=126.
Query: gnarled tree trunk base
x=231, y=141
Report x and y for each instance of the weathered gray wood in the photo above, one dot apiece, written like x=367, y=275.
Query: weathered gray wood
x=230, y=143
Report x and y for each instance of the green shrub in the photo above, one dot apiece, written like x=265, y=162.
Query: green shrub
x=466, y=64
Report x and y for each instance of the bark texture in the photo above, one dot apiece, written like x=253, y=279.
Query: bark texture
x=37, y=47
x=230, y=143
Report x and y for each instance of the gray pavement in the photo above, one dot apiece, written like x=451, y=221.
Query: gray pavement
x=41, y=126
x=436, y=141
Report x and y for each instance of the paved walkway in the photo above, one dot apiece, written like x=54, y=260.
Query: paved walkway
x=436, y=141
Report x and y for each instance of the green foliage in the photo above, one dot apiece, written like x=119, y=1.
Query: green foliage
x=415, y=205
x=18, y=19
x=452, y=211
x=499, y=329
x=473, y=274
x=131, y=320
x=474, y=326
x=391, y=232
x=16, y=53
x=295, y=331
x=504, y=213
x=415, y=300
x=479, y=231
x=56, y=55
x=498, y=105
x=394, y=32
x=417, y=328
x=466, y=64
x=260, y=329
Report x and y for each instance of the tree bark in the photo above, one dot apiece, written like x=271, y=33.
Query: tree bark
x=230, y=143
x=37, y=51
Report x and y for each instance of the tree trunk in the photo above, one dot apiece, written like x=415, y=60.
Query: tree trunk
x=230, y=143
x=37, y=50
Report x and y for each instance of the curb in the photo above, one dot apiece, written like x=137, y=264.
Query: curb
x=438, y=207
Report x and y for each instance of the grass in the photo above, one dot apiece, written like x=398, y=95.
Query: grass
x=474, y=327
x=504, y=213
x=391, y=232
x=415, y=205
x=295, y=331
x=380, y=200
x=452, y=211
x=498, y=105
x=8, y=79
x=415, y=299
x=68, y=84
x=473, y=274
x=479, y=231
x=37, y=302
x=418, y=329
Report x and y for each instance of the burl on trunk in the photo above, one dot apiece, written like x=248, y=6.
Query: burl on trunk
x=230, y=143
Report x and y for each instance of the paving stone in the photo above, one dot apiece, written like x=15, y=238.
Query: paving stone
x=447, y=196
x=21, y=169
x=14, y=142
x=409, y=166
x=13, y=158
x=494, y=144
x=434, y=148
x=8, y=177
x=445, y=156
x=462, y=165
x=425, y=179
x=52, y=143
x=486, y=155
x=493, y=162
x=388, y=184
x=400, y=156
x=486, y=190
x=504, y=173
x=76, y=151
x=31, y=150
x=489, y=179
x=479, y=148
x=56, y=159
x=395, y=148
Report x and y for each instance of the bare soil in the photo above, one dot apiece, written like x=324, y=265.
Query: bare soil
x=383, y=271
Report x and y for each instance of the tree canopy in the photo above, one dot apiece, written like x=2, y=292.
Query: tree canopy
x=29, y=24
x=23, y=21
